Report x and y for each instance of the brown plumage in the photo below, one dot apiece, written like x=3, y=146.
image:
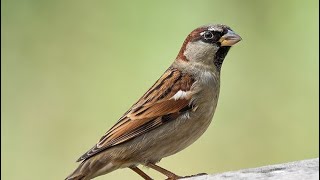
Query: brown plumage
x=145, y=113
x=171, y=115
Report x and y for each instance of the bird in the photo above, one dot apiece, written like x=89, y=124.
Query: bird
x=171, y=115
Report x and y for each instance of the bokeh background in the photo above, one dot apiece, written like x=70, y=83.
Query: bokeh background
x=70, y=69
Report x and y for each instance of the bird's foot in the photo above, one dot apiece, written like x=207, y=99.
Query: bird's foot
x=200, y=174
x=175, y=177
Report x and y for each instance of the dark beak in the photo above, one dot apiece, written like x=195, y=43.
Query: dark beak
x=229, y=39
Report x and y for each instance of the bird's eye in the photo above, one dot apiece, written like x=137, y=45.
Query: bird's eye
x=207, y=35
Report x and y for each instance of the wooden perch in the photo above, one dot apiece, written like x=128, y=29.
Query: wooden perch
x=299, y=170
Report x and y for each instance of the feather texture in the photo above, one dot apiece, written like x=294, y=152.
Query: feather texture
x=156, y=107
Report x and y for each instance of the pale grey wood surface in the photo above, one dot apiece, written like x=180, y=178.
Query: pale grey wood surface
x=298, y=170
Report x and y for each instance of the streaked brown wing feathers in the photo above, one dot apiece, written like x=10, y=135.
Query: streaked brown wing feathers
x=153, y=109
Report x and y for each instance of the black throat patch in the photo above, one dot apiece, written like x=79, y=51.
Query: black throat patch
x=220, y=55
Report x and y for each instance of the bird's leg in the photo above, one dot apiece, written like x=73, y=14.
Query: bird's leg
x=169, y=174
x=140, y=172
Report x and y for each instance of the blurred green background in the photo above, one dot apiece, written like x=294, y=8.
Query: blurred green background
x=70, y=69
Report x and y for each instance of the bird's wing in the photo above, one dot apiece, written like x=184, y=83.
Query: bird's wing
x=164, y=101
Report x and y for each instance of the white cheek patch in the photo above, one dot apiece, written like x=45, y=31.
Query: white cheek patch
x=179, y=95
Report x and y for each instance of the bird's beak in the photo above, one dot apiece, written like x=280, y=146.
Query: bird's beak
x=229, y=39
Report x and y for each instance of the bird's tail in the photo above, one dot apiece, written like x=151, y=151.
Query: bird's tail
x=80, y=173
x=75, y=177
x=91, y=168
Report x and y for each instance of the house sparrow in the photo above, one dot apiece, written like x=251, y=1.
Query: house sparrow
x=171, y=115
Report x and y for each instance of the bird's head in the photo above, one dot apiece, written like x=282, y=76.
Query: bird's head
x=208, y=45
